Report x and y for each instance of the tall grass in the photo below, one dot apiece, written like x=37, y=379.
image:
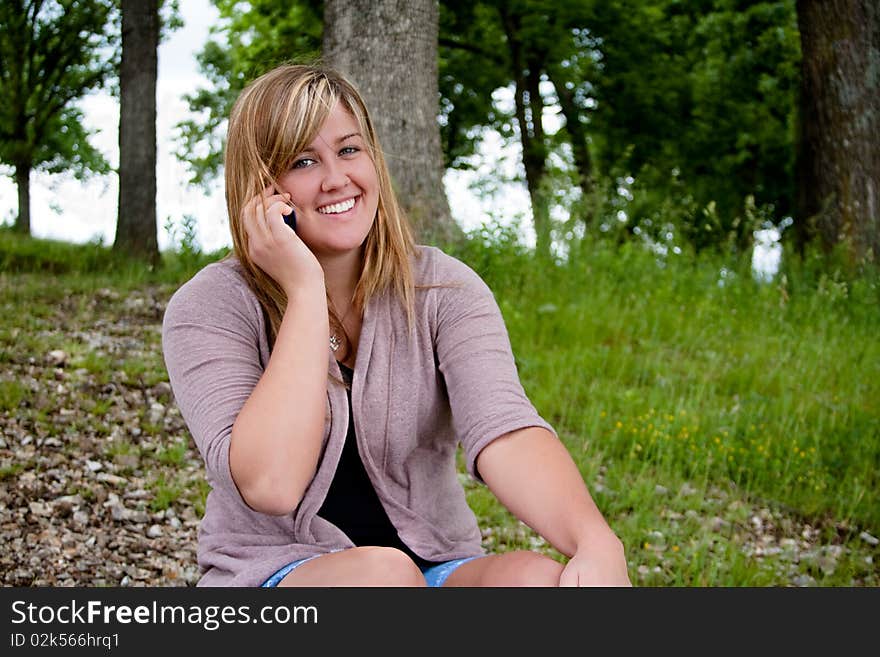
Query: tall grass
x=95, y=263
x=693, y=368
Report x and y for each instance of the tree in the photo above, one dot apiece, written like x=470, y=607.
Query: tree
x=389, y=50
x=838, y=164
x=495, y=44
x=695, y=100
x=136, y=221
x=247, y=41
x=51, y=54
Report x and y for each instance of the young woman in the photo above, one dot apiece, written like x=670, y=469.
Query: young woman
x=329, y=369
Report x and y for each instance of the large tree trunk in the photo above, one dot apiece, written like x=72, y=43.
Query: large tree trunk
x=838, y=162
x=136, y=231
x=23, y=182
x=388, y=49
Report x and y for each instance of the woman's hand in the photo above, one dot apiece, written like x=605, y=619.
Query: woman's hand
x=597, y=563
x=273, y=246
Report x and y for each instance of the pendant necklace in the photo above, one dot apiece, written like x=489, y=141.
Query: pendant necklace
x=335, y=340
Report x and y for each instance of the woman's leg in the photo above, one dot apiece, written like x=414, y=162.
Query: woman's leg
x=359, y=566
x=521, y=568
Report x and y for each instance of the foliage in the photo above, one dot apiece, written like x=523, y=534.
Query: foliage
x=249, y=39
x=470, y=32
x=692, y=98
x=689, y=366
x=52, y=53
x=701, y=95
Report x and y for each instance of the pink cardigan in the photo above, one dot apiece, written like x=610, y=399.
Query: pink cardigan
x=415, y=398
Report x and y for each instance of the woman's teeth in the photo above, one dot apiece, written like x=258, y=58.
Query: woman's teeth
x=336, y=208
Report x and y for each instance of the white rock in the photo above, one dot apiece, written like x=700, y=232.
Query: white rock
x=804, y=580
x=57, y=357
x=871, y=540
x=116, y=480
x=40, y=509
x=119, y=512
x=157, y=412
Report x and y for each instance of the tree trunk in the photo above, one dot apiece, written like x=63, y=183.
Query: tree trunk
x=838, y=160
x=23, y=182
x=529, y=116
x=388, y=49
x=580, y=145
x=136, y=230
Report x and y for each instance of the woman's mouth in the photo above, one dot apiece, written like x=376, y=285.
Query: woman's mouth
x=338, y=208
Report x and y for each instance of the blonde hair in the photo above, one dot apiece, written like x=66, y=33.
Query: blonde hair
x=275, y=118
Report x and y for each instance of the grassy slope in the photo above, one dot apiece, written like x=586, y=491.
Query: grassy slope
x=729, y=433
x=711, y=415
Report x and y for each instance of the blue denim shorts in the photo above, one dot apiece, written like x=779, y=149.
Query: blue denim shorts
x=434, y=575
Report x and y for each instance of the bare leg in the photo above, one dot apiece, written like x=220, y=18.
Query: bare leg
x=359, y=566
x=521, y=568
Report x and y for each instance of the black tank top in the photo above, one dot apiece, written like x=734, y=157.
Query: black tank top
x=352, y=503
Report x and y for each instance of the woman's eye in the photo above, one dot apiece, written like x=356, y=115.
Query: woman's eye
x=301, y=163
x=349, y=150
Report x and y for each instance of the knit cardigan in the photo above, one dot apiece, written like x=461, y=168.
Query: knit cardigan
x=415, y=397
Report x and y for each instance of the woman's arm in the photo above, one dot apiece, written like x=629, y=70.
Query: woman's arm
x=276, y=439
x=532, y=474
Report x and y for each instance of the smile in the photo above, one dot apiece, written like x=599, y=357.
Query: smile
x=338, y=208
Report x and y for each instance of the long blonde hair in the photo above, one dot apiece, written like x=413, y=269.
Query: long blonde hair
x=275, y=118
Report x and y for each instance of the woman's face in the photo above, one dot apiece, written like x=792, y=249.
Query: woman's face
x=334, y=187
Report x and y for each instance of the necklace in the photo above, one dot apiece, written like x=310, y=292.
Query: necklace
x=335, y=340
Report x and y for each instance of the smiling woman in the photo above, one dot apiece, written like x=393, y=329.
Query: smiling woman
x=334, y=186
x=330, y=438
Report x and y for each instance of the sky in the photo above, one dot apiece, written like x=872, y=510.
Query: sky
x=66, y=209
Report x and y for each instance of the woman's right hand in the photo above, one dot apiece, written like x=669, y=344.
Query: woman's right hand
x=273, y=246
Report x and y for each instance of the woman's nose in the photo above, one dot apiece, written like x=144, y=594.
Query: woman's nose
x=334, y=177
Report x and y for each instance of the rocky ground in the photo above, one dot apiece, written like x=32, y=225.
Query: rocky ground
x=100, y=484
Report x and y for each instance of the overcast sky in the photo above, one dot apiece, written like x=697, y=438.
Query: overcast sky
x=64, y=208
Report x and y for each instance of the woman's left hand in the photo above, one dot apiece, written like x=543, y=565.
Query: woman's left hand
x=600, y=563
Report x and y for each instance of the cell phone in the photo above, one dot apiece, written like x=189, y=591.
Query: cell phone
x=290, y=220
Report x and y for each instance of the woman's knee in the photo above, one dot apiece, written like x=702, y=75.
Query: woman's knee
x=526, y=568
x=387, y=566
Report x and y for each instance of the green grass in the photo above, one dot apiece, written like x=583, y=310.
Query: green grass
x=11, y=395
x=93, y=265
x=706, y=413
x=174, y=454
x=669, y=375
x=779, y=393
x=165, y=492
x=11, y=471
